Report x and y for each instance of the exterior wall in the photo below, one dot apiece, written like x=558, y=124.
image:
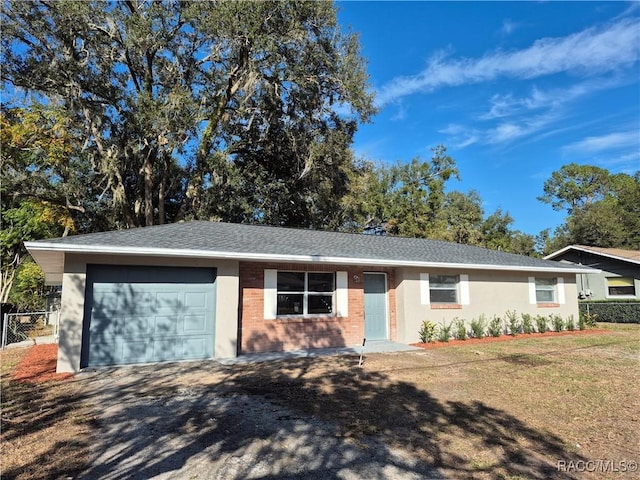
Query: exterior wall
x=73, y=295
x=258, y=334
x=597, y=283
x=490, y=293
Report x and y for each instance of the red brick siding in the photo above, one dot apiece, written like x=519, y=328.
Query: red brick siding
x=257, y=334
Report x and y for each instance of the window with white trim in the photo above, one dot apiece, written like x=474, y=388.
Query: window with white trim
x=443, y=288
x=621, y=287
x=546, y=290
x=305, y=293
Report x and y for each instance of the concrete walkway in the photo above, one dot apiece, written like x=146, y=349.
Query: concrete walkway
x=374, y=346
x=32, y=341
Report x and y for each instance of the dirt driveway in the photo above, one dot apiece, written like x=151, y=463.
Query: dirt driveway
x=190, y=421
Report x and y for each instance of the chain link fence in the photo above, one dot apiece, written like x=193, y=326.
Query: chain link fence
x=30, y=326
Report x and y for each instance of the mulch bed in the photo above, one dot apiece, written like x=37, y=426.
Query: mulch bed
x=505, y=338
x=39, y=365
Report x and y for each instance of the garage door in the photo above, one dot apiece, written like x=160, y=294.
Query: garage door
x=148, y=314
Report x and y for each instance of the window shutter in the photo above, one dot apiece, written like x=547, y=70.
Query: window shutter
x=425, y=297
x=532, y=290
x=342, y=294
x=270, y=294
x=560, y=285
x=464, y=290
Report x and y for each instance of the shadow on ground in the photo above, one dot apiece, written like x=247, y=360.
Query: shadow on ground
x=300, y=418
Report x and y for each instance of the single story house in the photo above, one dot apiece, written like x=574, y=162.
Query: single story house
x=619, y=277
x=202, y=289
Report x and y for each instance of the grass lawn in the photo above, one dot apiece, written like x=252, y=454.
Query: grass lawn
x=509, y=410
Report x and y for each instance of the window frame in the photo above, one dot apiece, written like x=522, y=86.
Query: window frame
x=306, y=293
x=548, y=288
x=622, y=295
x=455, y=288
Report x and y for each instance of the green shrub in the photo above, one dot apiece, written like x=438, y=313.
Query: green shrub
x=461, y=328
x=609, y=311
x=589, y=319
x=495, y=326
x=571, y=323
x=581, y=323
x=512, y=322
x=477, y=326
x=427, y=331
x=527, y=323
x=558, y=323
x=444, y=332
x=541, y=323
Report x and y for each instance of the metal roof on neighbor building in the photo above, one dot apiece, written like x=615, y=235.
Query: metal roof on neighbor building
x=278, y=244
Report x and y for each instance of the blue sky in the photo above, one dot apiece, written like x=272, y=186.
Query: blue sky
x=514, y=90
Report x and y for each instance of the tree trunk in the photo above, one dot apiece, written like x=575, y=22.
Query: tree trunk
x=161, y=190
x=147, y=170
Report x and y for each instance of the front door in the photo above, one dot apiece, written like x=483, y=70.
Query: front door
x=375, y=306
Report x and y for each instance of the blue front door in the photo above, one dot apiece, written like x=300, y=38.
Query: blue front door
x=375, y=306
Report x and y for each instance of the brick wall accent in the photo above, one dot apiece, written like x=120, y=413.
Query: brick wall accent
x=257, y=334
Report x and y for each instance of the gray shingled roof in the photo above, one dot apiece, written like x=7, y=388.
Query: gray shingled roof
x=226, y=240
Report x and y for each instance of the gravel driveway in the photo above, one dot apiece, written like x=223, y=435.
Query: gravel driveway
x=183, y=421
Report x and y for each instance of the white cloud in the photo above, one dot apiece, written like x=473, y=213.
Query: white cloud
x=610, y=141
x=508, y=27
x=508, y=105
x=401, y=113
x=539, y=114
x=460, y=136
x=595, y=50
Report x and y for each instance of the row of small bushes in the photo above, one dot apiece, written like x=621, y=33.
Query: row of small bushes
x=511, y=324
x=612, y=312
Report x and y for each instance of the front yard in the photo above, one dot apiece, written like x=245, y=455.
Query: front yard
x=530, y=408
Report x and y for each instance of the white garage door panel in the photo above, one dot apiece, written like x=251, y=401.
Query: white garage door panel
x=147, y=314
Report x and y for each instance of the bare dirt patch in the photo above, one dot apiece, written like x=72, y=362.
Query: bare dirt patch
x=44, y=420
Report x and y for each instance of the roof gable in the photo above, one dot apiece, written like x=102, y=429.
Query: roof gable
x=629, y=256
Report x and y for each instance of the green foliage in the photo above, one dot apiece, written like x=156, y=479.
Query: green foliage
x=527, y=323
x=541, y=323
x=403, y=199
x=582, y=324
x=28, y=289
x=408, y=199
x=478, y=326
x=461, y=328
x=428, y=331
x=558, y=323
x=25, y=220
x=513, y=323
x=589, y=319
x=495, y=326
x=444, y=331
x=575, y=186
x=571, y=323
x=603, y=209
x=612, y=311
x=464, y=217
x=180, y=107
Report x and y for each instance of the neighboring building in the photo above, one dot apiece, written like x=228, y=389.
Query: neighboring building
x=619, y=278
x=201, y=290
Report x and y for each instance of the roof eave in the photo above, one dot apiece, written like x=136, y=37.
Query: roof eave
x=42, y=247
x=553, y=255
